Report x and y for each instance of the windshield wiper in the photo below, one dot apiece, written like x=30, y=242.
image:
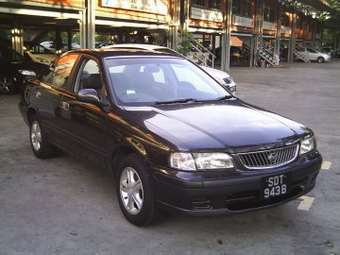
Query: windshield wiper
x=193, y=100
x=224, y=97
x=178, y=101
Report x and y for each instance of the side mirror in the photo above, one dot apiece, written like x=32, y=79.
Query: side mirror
x=88, y=96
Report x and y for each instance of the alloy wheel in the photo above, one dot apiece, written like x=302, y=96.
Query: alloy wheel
x=36, y=136
x=131, y=190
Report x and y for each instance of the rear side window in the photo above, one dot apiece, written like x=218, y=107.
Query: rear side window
x=61, y=71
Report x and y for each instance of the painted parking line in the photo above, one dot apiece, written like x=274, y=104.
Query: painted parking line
x=326, y=165
x=306, y=203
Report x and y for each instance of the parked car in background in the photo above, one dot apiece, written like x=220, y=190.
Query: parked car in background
x=102, y=44
x=39, y=54
x=63, y=47
x=173, y=137
x=14, y=68
x=336, y=53
x=222, y=77
x=313, y=55
x=47, y=44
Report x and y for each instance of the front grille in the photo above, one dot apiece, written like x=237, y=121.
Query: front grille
x=269, y=158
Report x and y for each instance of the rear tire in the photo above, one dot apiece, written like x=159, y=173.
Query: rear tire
x=40, y=145
x=134, y=191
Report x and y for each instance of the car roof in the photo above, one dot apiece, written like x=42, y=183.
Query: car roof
x=112, y=52
x=134, y=45
x=143, y=46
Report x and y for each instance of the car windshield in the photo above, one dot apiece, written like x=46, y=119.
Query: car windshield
x=149, y=81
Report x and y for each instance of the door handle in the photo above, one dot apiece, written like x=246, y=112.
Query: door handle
x=65, y=106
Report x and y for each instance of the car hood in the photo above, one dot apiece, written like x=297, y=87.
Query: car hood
x=232, y=125
x=215, y=72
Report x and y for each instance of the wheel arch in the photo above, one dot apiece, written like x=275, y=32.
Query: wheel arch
x=320, y=59
x=30, y=113
x=117, y=156
x=128, y=145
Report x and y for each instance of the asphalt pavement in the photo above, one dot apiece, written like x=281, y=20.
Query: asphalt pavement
x=61, y=206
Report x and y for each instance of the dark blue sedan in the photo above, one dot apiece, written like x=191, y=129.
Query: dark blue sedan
x=174, y=139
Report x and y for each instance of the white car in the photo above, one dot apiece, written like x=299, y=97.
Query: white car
x=39, y=54
x=222, y=77
x=313, y=55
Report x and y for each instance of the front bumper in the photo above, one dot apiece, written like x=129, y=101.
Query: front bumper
x=214, y=194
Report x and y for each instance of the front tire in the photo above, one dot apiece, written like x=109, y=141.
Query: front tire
x=320, y=60
x=134, y=191
x=7, y=85
x=40, y=145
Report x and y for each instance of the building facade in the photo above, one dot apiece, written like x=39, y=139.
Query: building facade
x=241, y=32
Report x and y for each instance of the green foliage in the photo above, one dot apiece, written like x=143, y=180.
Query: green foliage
x=185, y=45
x=103, y=38
x=329, y=7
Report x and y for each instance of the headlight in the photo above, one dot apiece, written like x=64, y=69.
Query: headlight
x=307, y=145
x=200, y=161
x=27, y=72
x=232, y=89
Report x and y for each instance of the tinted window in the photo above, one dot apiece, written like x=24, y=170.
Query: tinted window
x=148, y=81
x=198, y=3
x=214, y=4
x=242, y=7
x=62, y=69
x=311, y=50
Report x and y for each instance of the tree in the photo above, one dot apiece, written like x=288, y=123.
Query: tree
x=186, y=42
x=327, y=11
x=332, y=25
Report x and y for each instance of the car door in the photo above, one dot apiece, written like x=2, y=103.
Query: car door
x=85, y=123
x=46, y=98
x=312, y=54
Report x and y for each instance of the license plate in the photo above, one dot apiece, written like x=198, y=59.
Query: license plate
x=275, y=185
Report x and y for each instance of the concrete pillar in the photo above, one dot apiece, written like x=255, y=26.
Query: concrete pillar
x=258, y=29
x=174, y=25
x=292, y=39
x=82, y=28
x=225, y=45
x=278, y=30
x=17, y=38
x=89, y=26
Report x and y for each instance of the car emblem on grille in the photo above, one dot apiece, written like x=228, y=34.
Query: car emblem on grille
x=273, y=157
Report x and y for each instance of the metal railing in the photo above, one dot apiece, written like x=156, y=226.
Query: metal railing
x=201, y=55
x=297, y=52
x=267, y=53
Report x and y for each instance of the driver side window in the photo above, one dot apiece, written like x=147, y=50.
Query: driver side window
x=89, y=77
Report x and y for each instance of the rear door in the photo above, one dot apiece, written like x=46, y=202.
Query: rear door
x=47, y=97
